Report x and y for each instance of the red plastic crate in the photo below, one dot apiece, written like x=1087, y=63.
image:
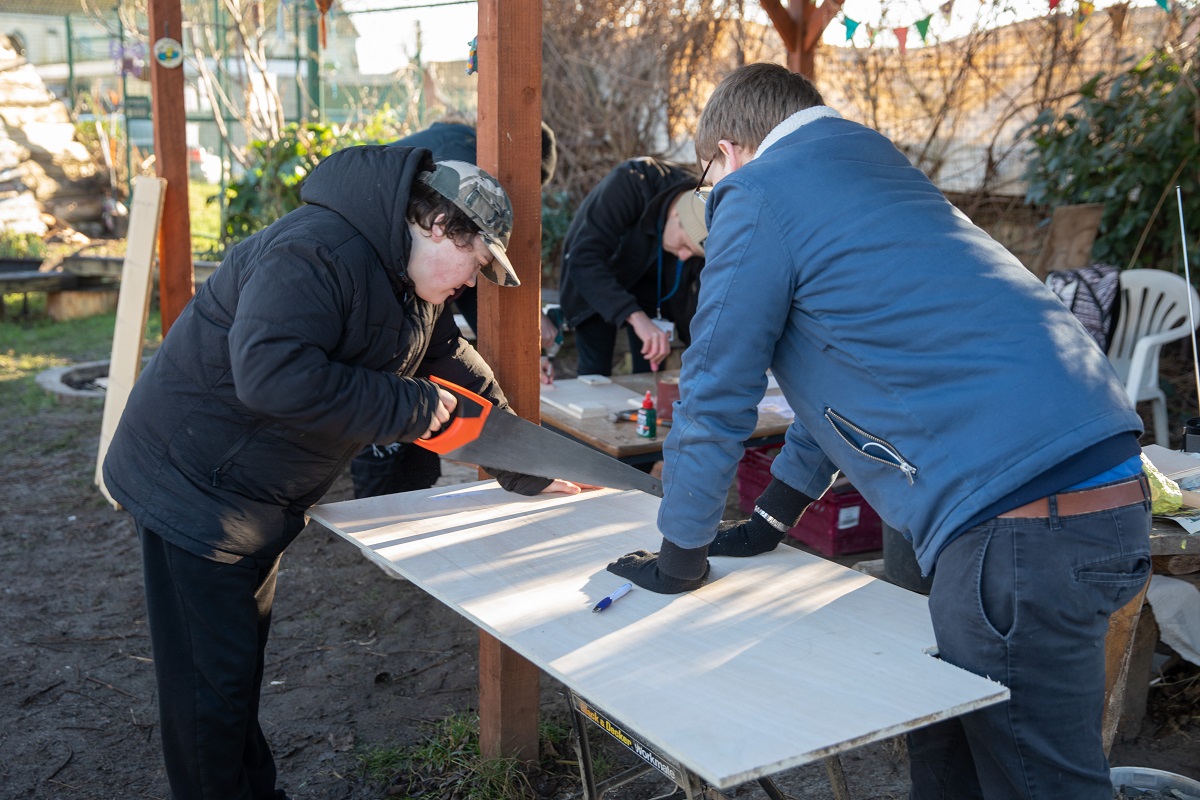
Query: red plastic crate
x=839, y=522
x=753, y=475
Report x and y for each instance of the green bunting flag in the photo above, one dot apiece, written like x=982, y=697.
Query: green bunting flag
x=923, y=26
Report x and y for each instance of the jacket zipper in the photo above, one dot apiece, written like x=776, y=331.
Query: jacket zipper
x=873, y=443
x=238, y=446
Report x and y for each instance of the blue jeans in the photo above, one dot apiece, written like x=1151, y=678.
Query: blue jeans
x=1026, y=603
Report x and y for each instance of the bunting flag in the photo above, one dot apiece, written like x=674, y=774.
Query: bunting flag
x=323, y=6
x=472, y=57
x=1117, y=15
x=1085, y=10
x=851, y=27
x=872, y=32
x=1053, y=4
x=902, y=38
x=946, y=8
x=922, y=26
x=1165, y=6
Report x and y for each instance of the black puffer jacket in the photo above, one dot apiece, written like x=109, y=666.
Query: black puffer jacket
x=302, y=348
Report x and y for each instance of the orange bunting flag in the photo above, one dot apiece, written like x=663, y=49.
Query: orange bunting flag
x=323, y=6
x=851, y=27
x=923, y=26
x=902, y=38
x=1117, y=15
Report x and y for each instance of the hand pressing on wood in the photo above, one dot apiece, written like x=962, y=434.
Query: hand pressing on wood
x=671, y=570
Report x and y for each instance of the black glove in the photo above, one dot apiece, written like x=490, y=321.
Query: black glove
x=778, y=508
x=519, y=483
x=669, y=571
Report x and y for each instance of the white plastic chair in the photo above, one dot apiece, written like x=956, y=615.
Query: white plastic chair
x=1154, y=311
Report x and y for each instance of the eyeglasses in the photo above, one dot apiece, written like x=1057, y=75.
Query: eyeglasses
x=700, y=195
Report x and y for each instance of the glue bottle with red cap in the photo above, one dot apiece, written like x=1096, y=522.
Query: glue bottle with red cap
x=647, y=423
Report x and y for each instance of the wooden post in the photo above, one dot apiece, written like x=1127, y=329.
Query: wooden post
x=175, y=271
x=509, y=147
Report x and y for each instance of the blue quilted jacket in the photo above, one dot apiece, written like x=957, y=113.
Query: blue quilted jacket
x=922, y=359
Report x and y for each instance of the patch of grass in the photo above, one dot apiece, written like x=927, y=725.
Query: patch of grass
x=21, y=245
x=380, y=763
x=447, y=764
x=33, y=343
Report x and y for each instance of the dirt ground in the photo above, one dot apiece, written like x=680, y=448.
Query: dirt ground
x=356, y=658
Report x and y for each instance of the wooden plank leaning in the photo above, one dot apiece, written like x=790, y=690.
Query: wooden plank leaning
x=133, y=308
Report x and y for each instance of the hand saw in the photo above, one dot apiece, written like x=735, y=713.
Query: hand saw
x=483, y=435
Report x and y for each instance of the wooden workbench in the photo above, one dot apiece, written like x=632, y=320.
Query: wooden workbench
x=778, y=661
x=620, y=439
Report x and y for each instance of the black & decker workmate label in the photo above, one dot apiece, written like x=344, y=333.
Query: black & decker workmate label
x=614, y=729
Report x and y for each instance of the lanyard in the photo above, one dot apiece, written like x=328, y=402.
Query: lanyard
x=678, y=273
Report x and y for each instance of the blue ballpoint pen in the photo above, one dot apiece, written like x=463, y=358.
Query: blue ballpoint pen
x=608, y=601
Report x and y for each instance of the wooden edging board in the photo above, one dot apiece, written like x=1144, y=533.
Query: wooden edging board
x=779, y=660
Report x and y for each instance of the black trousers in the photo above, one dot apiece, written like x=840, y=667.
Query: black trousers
x=394, y=468
x=596, y=342
x=209, y=623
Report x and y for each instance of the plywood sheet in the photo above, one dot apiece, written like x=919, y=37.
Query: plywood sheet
x=133, y=306
x=779, y=660
x=584, y=401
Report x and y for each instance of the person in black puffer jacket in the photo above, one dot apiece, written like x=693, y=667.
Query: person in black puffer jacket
x=315, y=337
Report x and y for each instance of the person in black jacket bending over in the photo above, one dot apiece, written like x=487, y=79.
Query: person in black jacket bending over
x=315, y=337
x=453, y=139
x=632, y=257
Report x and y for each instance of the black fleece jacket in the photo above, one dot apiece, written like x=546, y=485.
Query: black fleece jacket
x=613, y=245
x=305, y=345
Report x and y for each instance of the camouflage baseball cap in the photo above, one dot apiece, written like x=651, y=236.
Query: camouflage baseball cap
x=482, y=198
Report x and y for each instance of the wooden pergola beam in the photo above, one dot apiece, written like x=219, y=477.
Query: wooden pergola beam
x=509, y=136
x=800, y=24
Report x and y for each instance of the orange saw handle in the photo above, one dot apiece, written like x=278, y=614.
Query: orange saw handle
x=469, y=416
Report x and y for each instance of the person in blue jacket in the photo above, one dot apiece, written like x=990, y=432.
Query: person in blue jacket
x=316, y=336
x=954, y=390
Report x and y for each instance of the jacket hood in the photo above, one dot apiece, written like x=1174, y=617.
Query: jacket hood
x=368, y=186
